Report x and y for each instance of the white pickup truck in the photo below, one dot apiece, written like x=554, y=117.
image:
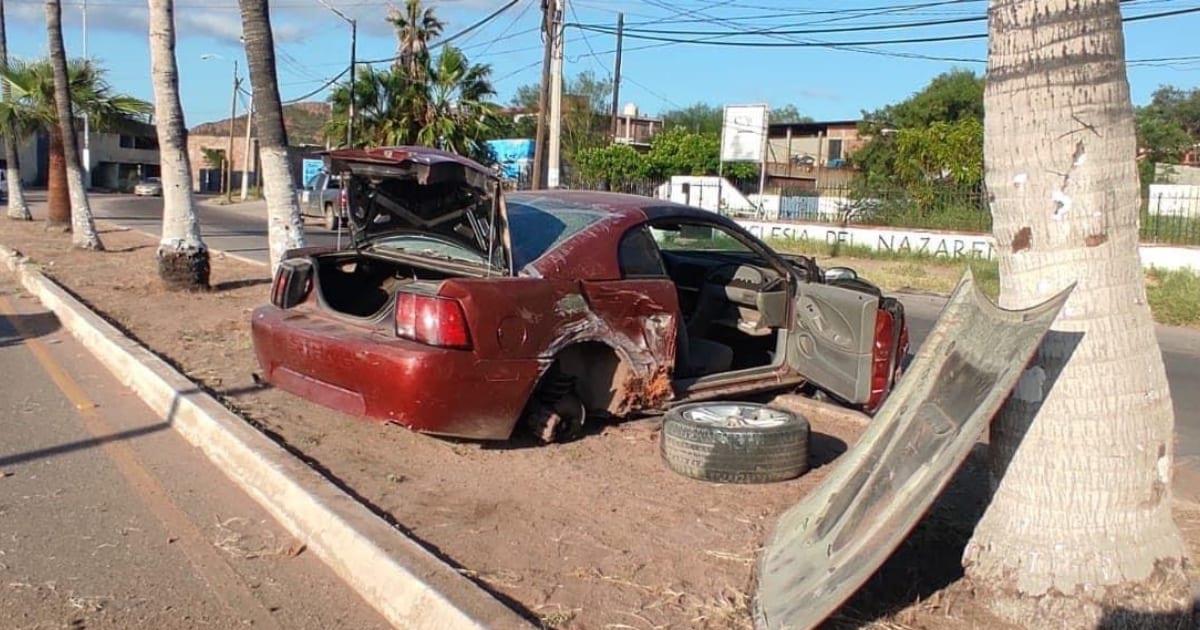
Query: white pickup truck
x=322, y=197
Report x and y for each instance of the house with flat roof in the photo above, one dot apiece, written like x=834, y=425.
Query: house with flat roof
x=811, y=154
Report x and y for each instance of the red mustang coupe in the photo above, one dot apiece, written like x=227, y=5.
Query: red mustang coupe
x=464, y=311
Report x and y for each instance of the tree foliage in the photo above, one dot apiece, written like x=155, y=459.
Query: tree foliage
x=675, y=151
x=415, y=26
x=450, y=109
x=906, y=137
x=696, y=118
x=706, y=118
x=1167, y=127
x=31, y=104
x=948, y=97
x=943, y=152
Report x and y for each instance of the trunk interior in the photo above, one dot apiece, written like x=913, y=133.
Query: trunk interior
x=362, y=286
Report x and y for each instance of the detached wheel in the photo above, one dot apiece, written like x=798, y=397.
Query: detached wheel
x=332, y=220
x=735, y=442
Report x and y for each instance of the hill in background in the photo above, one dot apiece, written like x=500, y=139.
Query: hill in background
x=303, y=122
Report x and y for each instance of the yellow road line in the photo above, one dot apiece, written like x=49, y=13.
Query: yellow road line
x=208, y=563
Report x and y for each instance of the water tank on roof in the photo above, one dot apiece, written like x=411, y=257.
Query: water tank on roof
x=630, y=110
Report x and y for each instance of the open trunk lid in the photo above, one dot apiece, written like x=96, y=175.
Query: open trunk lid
x=417, y=202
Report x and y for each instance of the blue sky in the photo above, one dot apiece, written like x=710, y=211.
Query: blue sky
x=824, y=83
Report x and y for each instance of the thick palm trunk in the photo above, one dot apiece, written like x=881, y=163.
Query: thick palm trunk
x=285, y=226
x=58, y=202
x=17, y=208
x=83, y=228
x=182, y=257
x=1079, y=529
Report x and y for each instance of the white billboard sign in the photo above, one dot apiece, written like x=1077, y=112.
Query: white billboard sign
x=744, y=133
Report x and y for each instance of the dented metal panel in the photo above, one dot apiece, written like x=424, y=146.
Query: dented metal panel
x=825, y=547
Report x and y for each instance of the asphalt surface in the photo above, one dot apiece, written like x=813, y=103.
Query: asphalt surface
x=241, y=229
x=109, y=519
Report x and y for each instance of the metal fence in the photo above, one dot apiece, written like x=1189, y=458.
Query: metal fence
x=1170, y=214
x=933, y=207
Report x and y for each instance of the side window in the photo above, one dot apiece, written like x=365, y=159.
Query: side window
x=638, y=255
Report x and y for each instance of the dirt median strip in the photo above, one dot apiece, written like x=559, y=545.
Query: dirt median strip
x=407, y=584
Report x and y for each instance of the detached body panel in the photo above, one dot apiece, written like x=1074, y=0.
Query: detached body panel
x=825, y=547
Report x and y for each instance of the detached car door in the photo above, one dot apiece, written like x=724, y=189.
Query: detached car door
x=831, y=339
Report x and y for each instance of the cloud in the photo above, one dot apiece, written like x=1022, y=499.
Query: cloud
x=223, y=24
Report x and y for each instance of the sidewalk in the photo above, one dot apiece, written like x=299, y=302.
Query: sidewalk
x=148, y=533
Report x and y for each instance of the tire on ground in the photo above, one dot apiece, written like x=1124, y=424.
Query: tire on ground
x=332, y=220
x=734, y=451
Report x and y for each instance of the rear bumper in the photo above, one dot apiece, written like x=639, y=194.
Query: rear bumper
x=364, y=372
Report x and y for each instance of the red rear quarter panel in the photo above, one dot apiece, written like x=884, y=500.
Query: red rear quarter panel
x=518, y=325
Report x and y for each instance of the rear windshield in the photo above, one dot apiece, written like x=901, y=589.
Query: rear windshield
x=538, y=229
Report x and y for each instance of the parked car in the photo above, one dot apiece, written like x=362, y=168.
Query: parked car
x=322, y=198
x=461, y=311
x=149, y=187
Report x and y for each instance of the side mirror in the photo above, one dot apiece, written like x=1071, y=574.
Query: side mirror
x=838, y=274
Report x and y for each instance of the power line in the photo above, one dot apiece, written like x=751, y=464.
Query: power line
x=318, y=90
x=838, y=29
x=712, y=39
x=446, y=40
x=502, y=36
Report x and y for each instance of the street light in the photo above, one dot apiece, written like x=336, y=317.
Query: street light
x=353, y=63
x=228, y=183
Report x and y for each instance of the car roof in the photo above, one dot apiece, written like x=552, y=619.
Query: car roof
x=611, y=202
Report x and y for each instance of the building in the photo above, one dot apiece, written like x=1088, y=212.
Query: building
x=810, y=155
x=636, y=130
x=209, y=142
x=117, y=158
x=121, y=157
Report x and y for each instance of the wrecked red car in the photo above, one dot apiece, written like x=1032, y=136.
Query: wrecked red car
x=463, y=311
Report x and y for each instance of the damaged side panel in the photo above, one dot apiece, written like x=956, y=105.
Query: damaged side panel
x=825, y=547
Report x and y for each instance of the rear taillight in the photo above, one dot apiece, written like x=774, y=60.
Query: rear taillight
x=293, y=282
x=343, y=201
x=881, y=358
x=432, y=320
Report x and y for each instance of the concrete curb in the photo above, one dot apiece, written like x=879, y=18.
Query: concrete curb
x=407, y=584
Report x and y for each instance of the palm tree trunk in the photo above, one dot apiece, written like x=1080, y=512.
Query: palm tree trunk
x=1079, y=531
x=285, y=226
x=17, y=208
x=182, y=257
x=83, y=228
x=58, y=203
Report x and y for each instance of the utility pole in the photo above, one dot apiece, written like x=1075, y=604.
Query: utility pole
x=353, y=72
x=539, y=143
x=87, y=136
x=554, y=151
x=229, y=151
x=247, y=155
x=353, y=67
x=617, y=75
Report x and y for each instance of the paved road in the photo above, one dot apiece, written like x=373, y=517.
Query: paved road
x=238, y=228
x=241, y=229
x=109, y=519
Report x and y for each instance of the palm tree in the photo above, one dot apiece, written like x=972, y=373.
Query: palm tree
x=83, y=227
x=451, y=110
x=17, y=208
x=384, y=109
x=1079, y=530
x=182, y=257
x=460, y=115
x=285, y=226
x=32, y=109
x=415, y=25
